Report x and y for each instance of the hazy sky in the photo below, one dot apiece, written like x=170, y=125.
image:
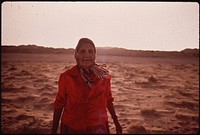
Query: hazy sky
x=170, y=26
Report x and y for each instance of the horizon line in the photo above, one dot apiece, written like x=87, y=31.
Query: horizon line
x=97, y=47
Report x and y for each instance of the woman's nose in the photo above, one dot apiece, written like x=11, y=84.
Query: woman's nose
x=87, y=53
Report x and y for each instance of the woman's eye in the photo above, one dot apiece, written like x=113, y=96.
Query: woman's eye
x=82, y=51
x=91, y=51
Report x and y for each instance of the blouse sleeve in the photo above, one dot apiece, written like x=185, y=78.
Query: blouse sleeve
x=109, y=94
x=61, y=94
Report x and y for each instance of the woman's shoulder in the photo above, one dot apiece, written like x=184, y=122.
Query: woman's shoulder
x=70, y=70
x=104, y=69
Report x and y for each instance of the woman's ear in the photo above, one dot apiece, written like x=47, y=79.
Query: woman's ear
x=76, y=56
x=95, y=56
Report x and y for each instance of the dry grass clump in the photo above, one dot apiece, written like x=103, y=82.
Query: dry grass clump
x=148, y=111
x=152, y=79
x=138, y=129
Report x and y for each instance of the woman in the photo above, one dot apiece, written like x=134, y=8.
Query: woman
x=84, y=95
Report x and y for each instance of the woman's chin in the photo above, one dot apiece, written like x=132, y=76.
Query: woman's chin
x=86, y=66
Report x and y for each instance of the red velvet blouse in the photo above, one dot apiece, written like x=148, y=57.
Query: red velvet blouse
x=83, y=106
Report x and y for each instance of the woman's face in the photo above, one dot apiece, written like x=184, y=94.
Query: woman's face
x=86, y=55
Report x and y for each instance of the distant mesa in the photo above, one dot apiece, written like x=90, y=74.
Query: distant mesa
x=34, y=49
x=191, y=51
x=112, y=51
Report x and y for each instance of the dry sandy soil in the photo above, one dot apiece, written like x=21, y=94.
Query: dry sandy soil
x=152, y=95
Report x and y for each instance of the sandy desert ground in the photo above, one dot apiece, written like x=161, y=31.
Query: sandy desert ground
x=152, y=95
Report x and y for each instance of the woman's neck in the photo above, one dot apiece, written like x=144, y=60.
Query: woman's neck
x=85, y=68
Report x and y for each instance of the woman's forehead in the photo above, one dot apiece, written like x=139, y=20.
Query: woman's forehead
x=86, y=46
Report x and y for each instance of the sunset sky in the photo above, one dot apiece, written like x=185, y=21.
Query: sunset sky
x=169, y=26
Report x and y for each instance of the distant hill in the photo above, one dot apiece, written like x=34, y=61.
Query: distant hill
x=189, y=51
x=34, y=49
x=110, y=51
x=142, y=53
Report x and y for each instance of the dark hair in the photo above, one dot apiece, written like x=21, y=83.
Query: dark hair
x=84, y=41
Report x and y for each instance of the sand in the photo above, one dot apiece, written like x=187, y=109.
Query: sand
x=151, y=95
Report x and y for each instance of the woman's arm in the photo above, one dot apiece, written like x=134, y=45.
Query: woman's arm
x=111, y=110
x=56, y=119
x=58, y=104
